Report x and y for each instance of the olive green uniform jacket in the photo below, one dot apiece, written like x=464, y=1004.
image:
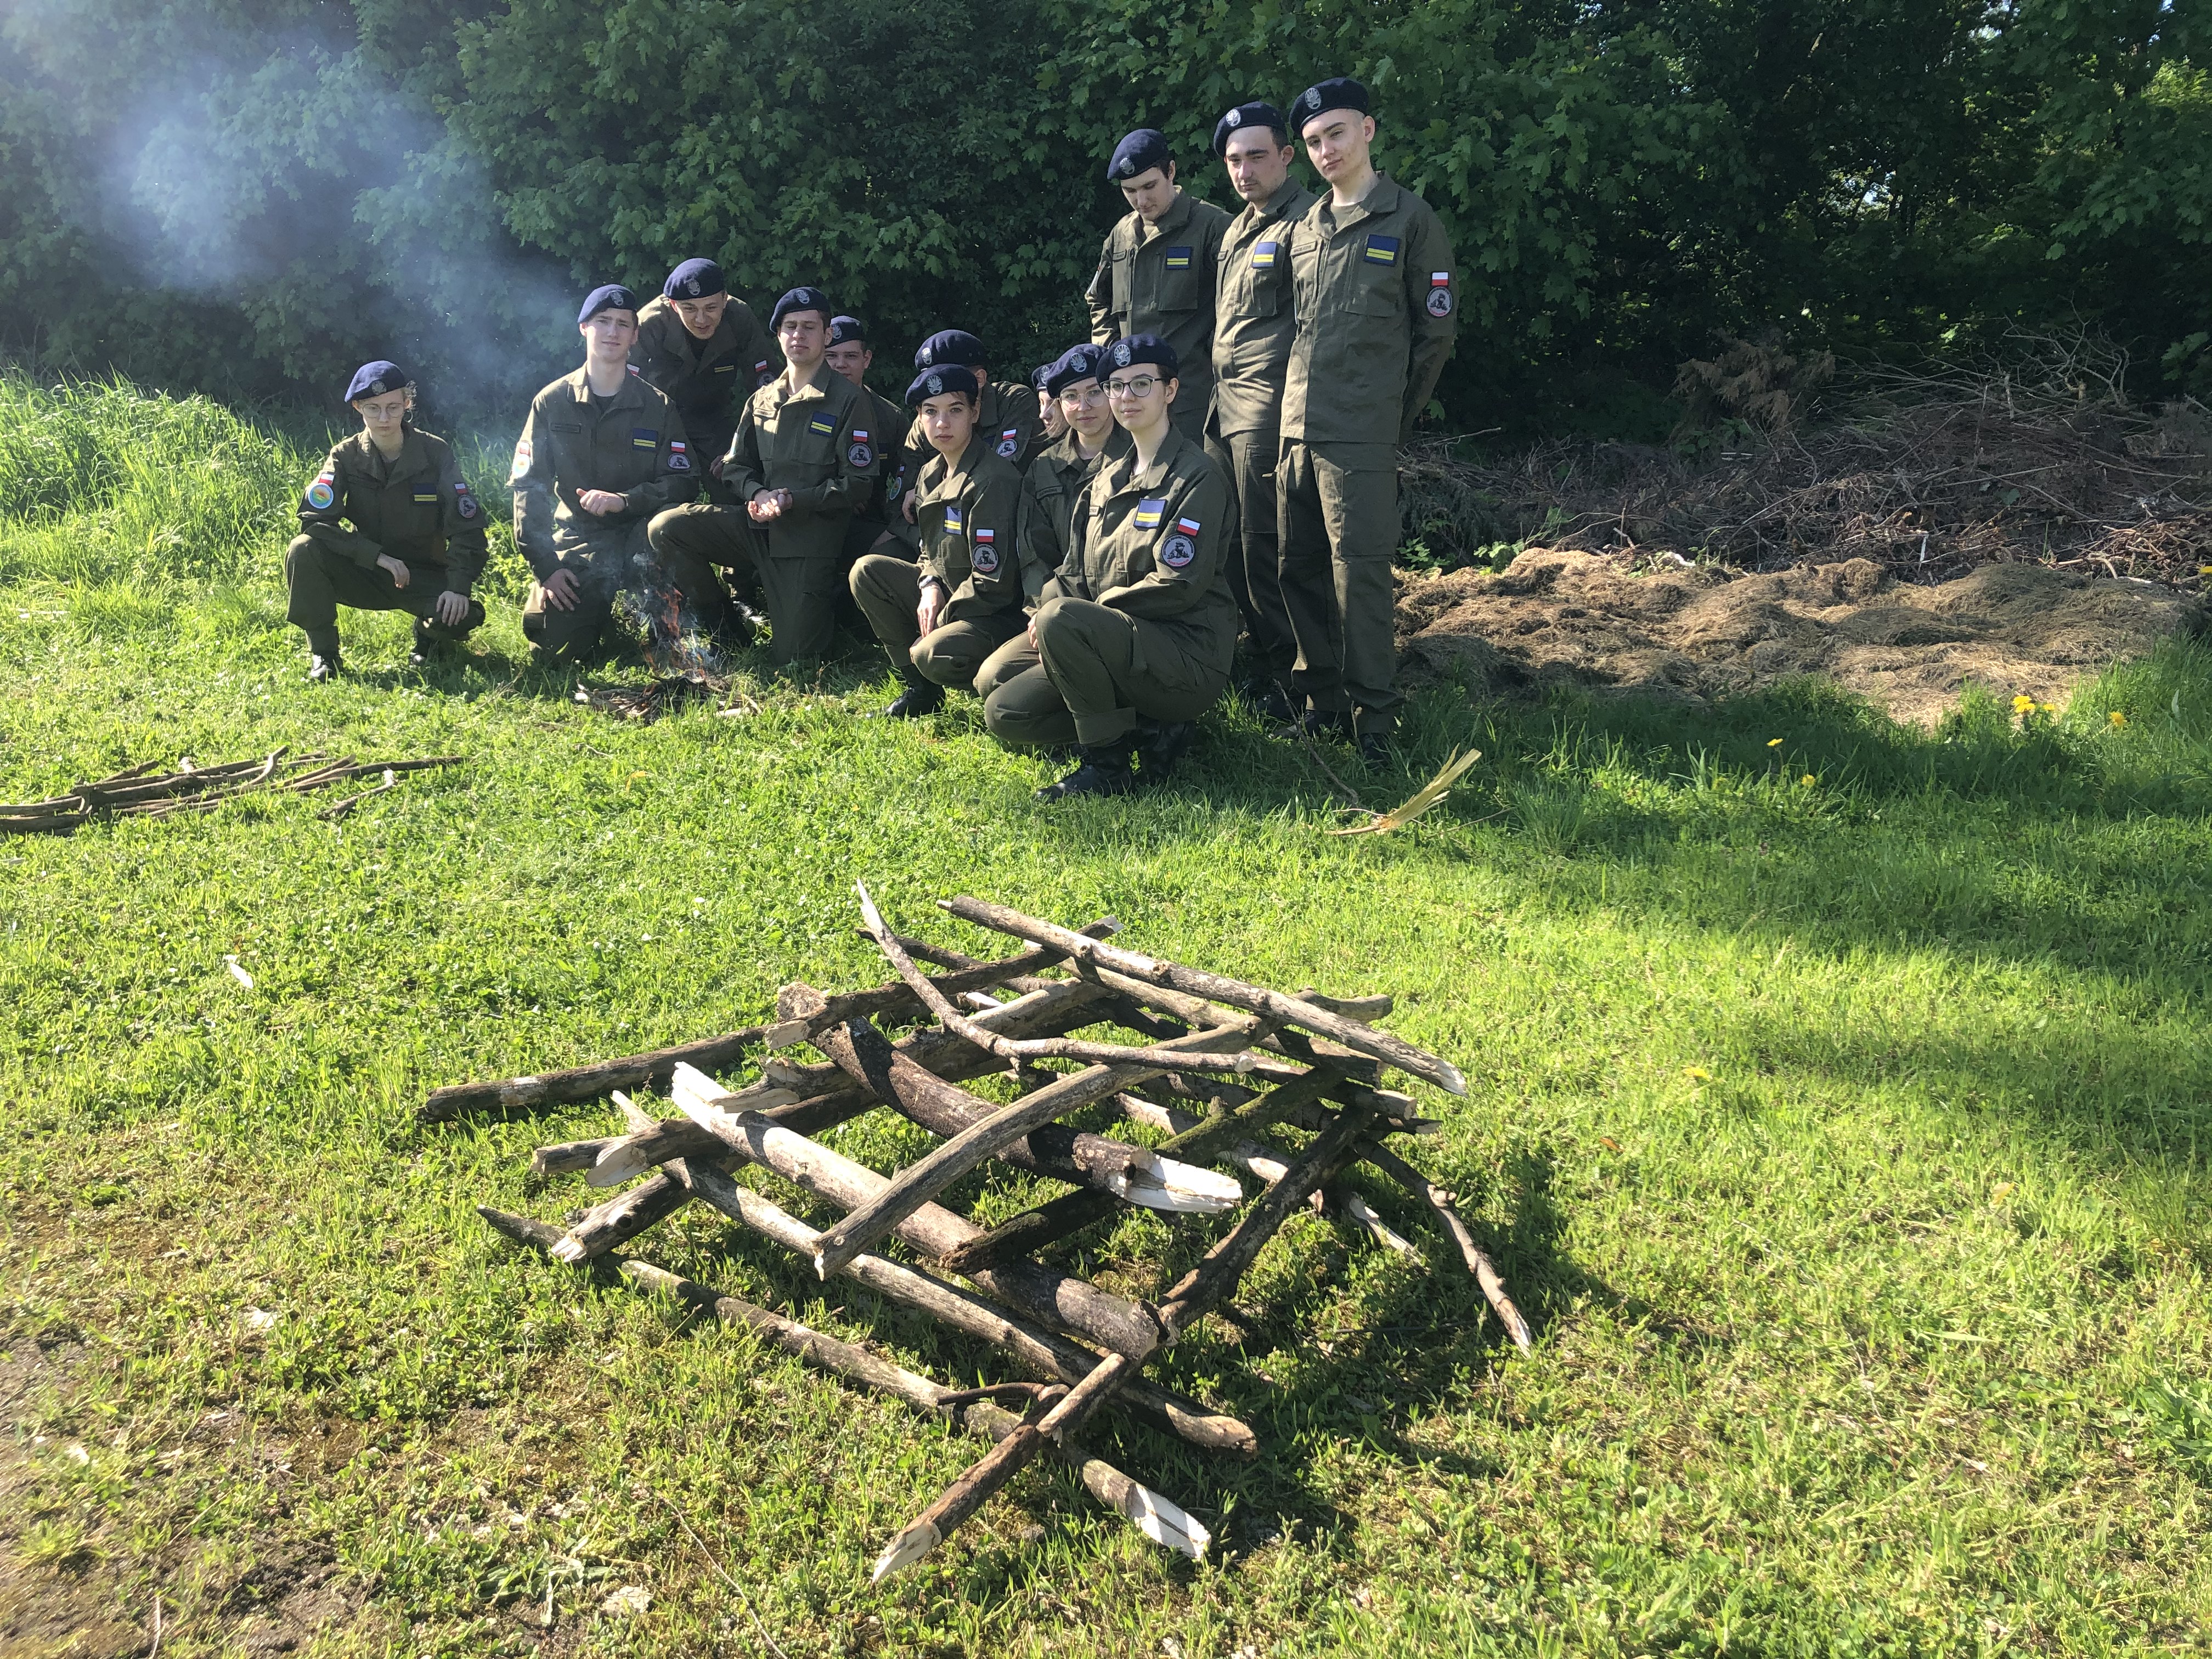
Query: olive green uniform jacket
x=708, y=380
x=1158, y=279
x=1049, y=490
x=1377, y=298
x=969, y=518
x=632, y=444
x=1255, y=313
x=808, y=442
x=416, y=508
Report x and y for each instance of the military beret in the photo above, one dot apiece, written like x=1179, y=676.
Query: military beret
x=1339, y=92
x=1140, y=152
x=694, y=279
x=611, y=296
x=937, y=382
x=374, y=380
x=1141, y=348
x=950, y=345
x=1078, y=362
x=801, y=299
x=1248, y=115
x=842, y=329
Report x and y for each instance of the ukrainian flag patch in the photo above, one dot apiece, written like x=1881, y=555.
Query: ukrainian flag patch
x=1178, y=259
x=821, y=424
x=1382, y=250
x=644, y=437
x=426, y=498
x=954, y=523
x=1265, y=254
x=1149, y=512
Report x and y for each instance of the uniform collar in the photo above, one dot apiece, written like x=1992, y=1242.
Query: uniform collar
x=1125, y=474
x=816, y=387
x=1381, y=199
x=946, y=472
x=1176, y=216
x=414, y=455
x=1063, y=448
x=579, y=388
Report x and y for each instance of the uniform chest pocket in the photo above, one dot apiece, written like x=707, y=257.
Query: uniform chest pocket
x=1376, y=286
x=1120, y=269
x=1186, y=281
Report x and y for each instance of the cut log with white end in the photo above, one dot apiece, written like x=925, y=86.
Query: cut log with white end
x=1161, y=1183
x=904, y=1551
x=633, y=1155
x=635, y=1118
x=1160, y=1520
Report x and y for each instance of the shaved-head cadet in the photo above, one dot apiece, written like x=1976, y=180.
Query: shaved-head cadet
x=1377, y=300
x=389, y=524
x=1254, y=320
x=601, y=454
x=1156, y=271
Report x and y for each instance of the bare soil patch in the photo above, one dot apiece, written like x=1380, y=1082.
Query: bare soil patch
x=1564, y=618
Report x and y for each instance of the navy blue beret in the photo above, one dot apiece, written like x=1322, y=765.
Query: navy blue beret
x=1040, y=374
x=694, y=279
x=1140, y=152
x=1079, y=362
x=842, y=329
x=611, y=296
x=1141, y=348
x=801, y=299
x=1249, y=115
x=1339, y=92
x=374, y=380
x=950, y=345
x=937, y=382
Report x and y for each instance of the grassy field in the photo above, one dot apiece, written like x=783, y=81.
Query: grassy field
x=1837, y=1114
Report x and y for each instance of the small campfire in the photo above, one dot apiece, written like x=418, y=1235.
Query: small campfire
x=687, y=667
x=1248, y=1084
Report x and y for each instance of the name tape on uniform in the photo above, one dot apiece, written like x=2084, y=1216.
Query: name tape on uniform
x=426, y=498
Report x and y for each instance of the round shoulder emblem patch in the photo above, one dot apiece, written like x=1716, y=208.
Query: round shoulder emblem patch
x=985, y=559
x=1010, y=447
x=1439, y=302
x=466, y=505
x=1177, y=551
x=859, y=455
x=320, y=495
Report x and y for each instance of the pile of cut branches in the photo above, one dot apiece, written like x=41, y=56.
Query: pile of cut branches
x=1929, y=473
x=141, y=793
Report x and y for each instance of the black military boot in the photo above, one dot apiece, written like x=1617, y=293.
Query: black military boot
x=323, y=662
x=1105, y=771
x=1316, y=723
x=1265, y=696
x=1375, y=750
x=1161, y=744
x=425, y=647
x=918, y=698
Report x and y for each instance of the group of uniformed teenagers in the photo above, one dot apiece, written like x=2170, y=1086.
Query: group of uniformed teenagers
x=1081, y=552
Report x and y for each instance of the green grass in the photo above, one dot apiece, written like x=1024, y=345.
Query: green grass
x=1843, y=1142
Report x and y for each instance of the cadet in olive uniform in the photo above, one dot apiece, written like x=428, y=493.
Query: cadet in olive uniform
x=1060, y=470
x=1375, y=291
x=1254, y=320
x=601, y=454
x=1050, y=421
x=1007, y=415
x=939, y=620
x=804, y=456
x=849, y=353
x=1135, y=634
x=416, y=541
x=704, y=350
x=1155, y=272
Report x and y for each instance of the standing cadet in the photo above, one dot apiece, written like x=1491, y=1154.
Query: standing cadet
x=803, y=457
x=1155, y=272
x=417, y=537
x=601, y=454
x=1375, y=285
x=939, y=620
x=849, y=353
x=1135, y=635
x=1056, y=477
x=1254, y=320
x=1007, y=415
x=705, y=350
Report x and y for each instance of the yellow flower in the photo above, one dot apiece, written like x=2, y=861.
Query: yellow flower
x=2048, y=707
x=2023, y=705
x=2118, y=718
x=1696, y=1074
x=2001, y=1192
x=1809, y=780
x=1774, y=743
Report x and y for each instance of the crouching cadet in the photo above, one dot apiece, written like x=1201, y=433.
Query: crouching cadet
x=941, y=618
x=1135, y=634
x=600, y=455
x=1055, y=478
x=389, y=524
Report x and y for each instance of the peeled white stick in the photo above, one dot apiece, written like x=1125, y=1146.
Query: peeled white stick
x=636, y=1153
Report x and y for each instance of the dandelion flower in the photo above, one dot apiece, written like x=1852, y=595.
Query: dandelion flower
x=2023, y=705
x=1808, y=781
x=1696, y=1074
x=2048, y=707
x=2001, y=1192
x=1774, y=743
x=2118, y=718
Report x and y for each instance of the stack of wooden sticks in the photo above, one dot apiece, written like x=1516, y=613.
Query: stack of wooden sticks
x=1224, y=1067
x=143, y=793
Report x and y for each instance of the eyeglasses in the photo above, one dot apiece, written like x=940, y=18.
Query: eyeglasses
x=1137, y=385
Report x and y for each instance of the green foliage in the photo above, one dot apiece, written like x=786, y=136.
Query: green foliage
x=257, y=194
